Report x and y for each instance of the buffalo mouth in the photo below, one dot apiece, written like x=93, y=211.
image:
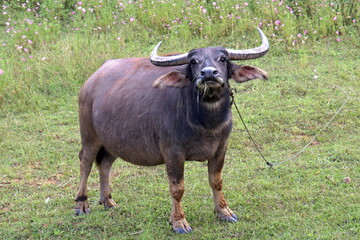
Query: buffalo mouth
x=210, y=83
x=209, y=90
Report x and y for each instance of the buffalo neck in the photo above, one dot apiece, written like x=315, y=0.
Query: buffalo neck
x=210, y=114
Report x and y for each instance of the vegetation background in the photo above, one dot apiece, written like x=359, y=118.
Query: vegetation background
x=49, y=48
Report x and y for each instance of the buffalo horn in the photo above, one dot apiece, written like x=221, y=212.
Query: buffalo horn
x=250, y=53
x=164, y=61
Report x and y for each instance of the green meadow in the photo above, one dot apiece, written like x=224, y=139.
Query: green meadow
x=49, y=48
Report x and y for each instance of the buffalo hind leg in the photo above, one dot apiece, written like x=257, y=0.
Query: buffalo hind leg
x=175, y=170
x=104, y=161
x=87, y=157
x=215, y=178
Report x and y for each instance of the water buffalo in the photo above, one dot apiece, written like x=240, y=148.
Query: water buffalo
x=166, y=109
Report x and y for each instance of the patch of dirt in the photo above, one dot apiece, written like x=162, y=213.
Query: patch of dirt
x=305, y=138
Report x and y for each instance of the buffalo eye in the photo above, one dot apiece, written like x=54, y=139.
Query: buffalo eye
x=193, y=61
x=223, y=59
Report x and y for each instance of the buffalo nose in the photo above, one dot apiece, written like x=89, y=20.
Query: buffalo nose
x=209, y=72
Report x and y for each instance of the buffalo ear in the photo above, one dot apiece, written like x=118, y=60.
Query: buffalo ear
x=172, y=79
x=245, y=73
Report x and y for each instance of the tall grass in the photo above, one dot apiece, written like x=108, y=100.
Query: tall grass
x=42, y=40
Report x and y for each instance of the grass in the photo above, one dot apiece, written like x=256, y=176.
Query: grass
x=306, y=198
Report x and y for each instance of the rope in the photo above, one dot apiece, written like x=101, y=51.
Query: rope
x=270, y=164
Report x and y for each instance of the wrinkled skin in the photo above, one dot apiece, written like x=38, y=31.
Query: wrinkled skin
x=149, y=115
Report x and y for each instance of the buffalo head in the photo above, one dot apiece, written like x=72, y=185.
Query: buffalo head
x=209, y=68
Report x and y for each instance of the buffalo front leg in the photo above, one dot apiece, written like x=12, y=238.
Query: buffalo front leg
x=87, y=157
x=104, y=172
x=215, y=178
x=175, y=170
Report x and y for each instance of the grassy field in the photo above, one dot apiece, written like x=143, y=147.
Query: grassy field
x=64, y=43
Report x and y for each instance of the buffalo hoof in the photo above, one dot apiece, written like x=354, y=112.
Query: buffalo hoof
x=82, y=207
x=183, y=230
x=79, y=212
x=181, y=227
x=225, y=214
x=231, y=218
x=108, y=203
